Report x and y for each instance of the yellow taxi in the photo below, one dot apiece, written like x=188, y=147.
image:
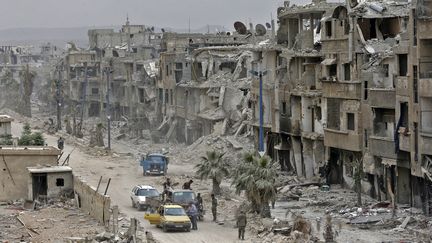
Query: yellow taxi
x=170, y=217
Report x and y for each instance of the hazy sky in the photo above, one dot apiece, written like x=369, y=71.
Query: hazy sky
x=163, y=13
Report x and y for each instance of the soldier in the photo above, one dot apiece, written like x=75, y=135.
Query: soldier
x=241, y=224
x=187, y=185
x=214, y=206
x=60, y=143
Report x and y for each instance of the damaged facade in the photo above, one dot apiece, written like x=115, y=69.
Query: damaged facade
x=117, y=71
x=348, y=86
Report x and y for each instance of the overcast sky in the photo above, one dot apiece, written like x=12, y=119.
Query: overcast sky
x=162, y=13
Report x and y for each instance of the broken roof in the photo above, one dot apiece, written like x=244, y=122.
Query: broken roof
x=381, y=9
x=214, y=114
x=317, y=7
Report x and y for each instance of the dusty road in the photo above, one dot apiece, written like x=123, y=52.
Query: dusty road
x=125, y=172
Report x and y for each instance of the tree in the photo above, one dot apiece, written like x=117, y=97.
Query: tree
x=257, y=177
x=6, y=139
x=213, y=167
x=28, y=138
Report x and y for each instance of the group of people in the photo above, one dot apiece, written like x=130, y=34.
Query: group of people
x=194, y=210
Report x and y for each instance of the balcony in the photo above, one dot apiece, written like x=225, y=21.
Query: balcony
x=341, y=90
x=342, y=140
x=402, y=86
x=383, y=98
x=382, y=147
x=425, y=87
x=404, y=140
x=426, y=142
x=290, y=126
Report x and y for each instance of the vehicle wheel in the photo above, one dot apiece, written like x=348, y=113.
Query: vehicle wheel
x=188, y=229
x=164, y=228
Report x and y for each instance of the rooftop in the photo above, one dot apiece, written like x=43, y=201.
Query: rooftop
x=49, y=169
x=6, y=118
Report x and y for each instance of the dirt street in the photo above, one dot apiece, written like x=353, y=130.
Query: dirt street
x=125, y=172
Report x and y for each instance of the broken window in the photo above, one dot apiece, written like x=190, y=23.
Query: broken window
x=415, y=83
x=384, y=122
x=390, y=27
x=284, y=111
x=318, y=113
x=365, y=136
x=141, y=95
x=95, y=91
x=178, y=76
x=351, y=121
x=228, y=66
x=328, y=27
x=167, y=70
x=365, y=96
x=59, y=182
x=332, y=70
x=404, y=114
x=166, y=96
x=347, y=72
x=161, y=95
x=179, y=65
x=367, y=27
x=403, y=64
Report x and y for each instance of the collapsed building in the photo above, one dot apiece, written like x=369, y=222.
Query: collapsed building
x=117, y=72
x=204, y=84
x=347, y=84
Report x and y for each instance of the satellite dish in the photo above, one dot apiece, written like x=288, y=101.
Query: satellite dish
x=240, y=28
x=260, y=30
x=268, y=25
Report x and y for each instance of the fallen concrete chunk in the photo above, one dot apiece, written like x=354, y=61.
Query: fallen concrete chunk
x=405, y=222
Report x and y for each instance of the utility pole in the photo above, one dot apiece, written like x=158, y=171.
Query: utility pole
x=109, y=72
x=59, y=97
x=83, y=96
x=260, y=74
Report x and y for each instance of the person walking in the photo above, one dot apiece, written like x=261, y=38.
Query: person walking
x=241, y=224
x=214, y=206
x=60, y=143
x=192, y=212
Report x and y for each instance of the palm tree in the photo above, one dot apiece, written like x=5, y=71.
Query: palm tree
x=213, y=167
x=257, y=177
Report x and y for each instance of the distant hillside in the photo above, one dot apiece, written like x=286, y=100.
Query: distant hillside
x=60, y=36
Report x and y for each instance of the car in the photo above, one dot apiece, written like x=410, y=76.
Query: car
x=143, y=196
x=183, y=197
x=169, y=217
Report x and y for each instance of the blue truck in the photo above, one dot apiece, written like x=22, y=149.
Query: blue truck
x=154, y=164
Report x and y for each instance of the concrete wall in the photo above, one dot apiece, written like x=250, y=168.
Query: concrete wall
x=53, y=189
x=92, y=202
x=13, y=169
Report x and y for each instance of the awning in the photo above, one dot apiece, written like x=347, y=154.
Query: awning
x=329, y=61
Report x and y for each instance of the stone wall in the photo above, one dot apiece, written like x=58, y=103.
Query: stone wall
x=92, y=202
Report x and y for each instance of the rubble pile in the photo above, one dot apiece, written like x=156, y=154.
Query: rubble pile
x=233, y=147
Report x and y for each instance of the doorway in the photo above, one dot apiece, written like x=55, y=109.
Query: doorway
x=40, y=186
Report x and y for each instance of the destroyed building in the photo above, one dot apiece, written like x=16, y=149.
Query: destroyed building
x=118, y=71
x=203, y=81
x=338, y=90
x=14, y=175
